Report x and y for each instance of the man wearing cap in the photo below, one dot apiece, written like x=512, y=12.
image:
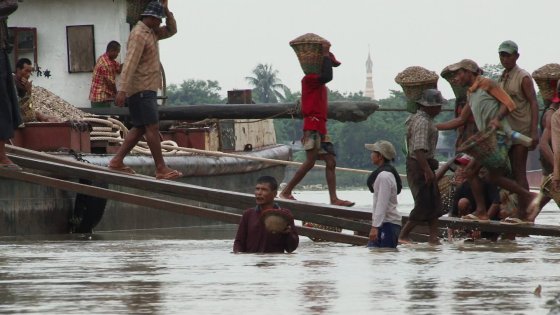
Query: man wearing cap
x=140, y=80
x=490, y=105
x=518, y=84
x=422, y=137
x=314, y=107
x=385, y=184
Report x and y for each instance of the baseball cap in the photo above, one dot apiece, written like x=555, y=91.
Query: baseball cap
x=384, y=147
x=154, y=9
x=508, y=46
x=466, y=64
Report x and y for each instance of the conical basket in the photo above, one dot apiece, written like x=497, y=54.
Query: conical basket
x=414, y=80
x=134, y=8
x=483, y=146
x=548, y=190
x=547, y=78
x=309, y=50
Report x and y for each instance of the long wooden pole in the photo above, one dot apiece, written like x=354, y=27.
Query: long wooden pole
x=326, y=214
x=322, y=214
x=167, y=205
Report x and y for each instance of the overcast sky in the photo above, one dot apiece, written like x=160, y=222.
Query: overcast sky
x=224, y=40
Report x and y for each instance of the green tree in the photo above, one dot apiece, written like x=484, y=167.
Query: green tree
x=493, y=72
x=193, y=92
x=266, y=84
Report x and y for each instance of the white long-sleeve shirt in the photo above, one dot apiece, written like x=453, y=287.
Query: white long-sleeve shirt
x=385, y=200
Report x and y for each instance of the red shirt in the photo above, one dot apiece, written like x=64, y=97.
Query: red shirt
x=314, y=103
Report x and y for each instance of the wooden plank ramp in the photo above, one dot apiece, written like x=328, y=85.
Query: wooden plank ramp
x=167, y=205
x=322, y=214
x=354, y=219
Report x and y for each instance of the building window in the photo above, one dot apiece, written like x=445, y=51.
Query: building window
x=24, y=41
x=81, y=50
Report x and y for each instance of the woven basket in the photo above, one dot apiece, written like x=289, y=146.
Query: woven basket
x=413, y=91
x=447, y=192
x=309, y=50
x=133, y=10
x=26, y=110
x=483, y=146
x=548, y=190
x=547, y=87
x=414, y=80
x=546, y=78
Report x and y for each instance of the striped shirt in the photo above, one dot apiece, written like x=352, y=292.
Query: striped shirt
x=141, y=70
x=103, y=80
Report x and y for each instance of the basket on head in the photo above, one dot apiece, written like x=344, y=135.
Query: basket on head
x=547, y=78
x=309, y=50
x=276, y=220
x=483, y=146
x=548, y=190
x=134, y=8
x=414, y=80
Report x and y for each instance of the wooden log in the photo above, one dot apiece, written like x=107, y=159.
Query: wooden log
x=166, y=205
x=341, y=111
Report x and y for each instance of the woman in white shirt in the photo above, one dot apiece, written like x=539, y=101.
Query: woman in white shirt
x=385, y=184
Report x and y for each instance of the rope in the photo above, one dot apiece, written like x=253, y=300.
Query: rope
x=172, y=148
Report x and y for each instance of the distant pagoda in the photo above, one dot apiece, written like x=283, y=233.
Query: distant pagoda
x=369, y=78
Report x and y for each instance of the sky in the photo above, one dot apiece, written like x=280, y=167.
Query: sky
x=224, y=40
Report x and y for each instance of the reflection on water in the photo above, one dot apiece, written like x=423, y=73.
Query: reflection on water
x=192, y=271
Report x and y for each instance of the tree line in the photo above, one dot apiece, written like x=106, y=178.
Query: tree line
x=348, y=137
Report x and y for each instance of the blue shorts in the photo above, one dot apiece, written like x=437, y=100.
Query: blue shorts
x=388, y=236
x=143, y=108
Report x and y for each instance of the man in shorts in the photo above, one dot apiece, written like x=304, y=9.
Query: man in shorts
x=314, y=106
x=140, y=79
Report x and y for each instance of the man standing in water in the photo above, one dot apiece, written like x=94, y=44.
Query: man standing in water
x=252, y=236
x=422, y=137
x=385, y=184
x=140, y=80
x=314, y=105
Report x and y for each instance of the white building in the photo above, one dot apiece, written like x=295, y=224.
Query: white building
x=65, y=38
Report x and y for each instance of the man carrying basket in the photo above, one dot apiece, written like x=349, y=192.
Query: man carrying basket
x=489, y=104
x=421, y=139
x=314, y=107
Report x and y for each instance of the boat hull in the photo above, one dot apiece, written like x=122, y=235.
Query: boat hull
x=29, y=209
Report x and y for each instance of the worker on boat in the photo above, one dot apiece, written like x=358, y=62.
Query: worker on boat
x=10, y=117
x=24, y=87
x=140, y=80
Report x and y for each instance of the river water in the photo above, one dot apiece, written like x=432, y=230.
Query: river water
x=192, y=271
